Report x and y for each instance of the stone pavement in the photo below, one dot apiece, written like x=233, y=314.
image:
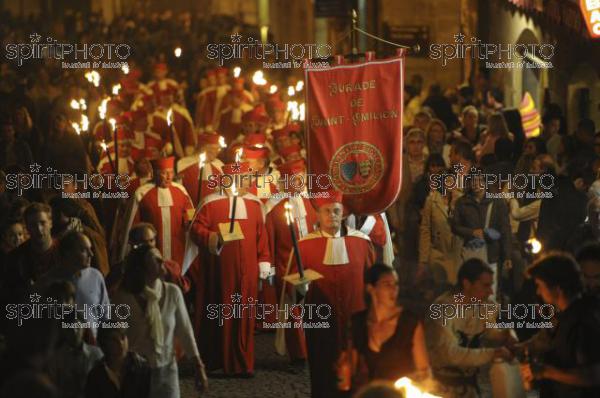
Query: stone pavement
x=271, y=378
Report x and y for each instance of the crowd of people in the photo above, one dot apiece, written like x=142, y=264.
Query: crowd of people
x=203, y=224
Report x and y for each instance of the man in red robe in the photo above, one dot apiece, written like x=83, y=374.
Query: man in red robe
x=280, y=241
x=206, y=102
x=264, y=177
x=230, y=120
x=342, y=260
x=190, y=172
x=228, y=274
x=166, y=205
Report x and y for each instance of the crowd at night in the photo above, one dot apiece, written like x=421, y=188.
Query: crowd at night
x=156, y=217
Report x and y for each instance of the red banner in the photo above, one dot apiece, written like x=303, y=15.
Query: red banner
x=354, y=125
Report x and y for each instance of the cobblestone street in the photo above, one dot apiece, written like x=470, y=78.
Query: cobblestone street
x=272, y=378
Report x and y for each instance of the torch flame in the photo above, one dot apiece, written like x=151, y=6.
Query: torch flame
x=410, y=390
x=299, y=85
x=288, y=213
x=177, y=52
x=291, y=91
x=273, y=89
x=93, y=77
x=115, y=89
x=82, y=104
x=85, y=123
x=113, y=123
x=201, y=160
x=238, y=154
x=102, y=108
x=76, y=128
x=222, y=142
x=103, y=145
x=536, y=245
x=301, y=109
x=259, y=78
x=170, y=117
x=236, y=71
x=125, y=69
x=234, y=190
x=74, y=104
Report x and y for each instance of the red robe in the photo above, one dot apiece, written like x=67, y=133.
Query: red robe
x=184, y=126
x=342, y=288
x=189, y=172
x=230, y=122
x=205, y=108
x=170, y=219
x=221, y=279
x=280, y=244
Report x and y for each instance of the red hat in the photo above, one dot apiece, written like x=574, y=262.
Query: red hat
x=289, y=150
x=280, y=133
x=164, y=163
x=211, y=72
x=114, y=107
x=129, y=85
x=257, y=115
x=255, y=153
x=238, y=80
x=293, y=167
x=160, y=66
x=222, y=71
x=236, y=168
x=256, y=139
x=293, y=128
x=208, y=138
x=135, y=74
x=327, y=197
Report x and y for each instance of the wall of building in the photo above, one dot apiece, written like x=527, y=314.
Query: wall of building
x=444, y=20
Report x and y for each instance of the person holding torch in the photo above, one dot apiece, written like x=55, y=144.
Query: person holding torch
x=230, y=233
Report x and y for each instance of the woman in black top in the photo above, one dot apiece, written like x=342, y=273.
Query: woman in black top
x=389, y=339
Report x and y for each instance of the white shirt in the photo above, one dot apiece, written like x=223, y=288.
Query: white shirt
x=176, y=323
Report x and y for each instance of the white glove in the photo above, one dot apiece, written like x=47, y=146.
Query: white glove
x=302, y=288
x=264, y=269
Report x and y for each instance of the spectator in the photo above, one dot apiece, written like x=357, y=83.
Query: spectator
x=389, y=339
x=158, y=315
x=471, y=130
x=441, y=106
x=588, y=257
x=457, y=345
x=121, y=373
x=483, y=225
x=436, y=139
x=14, y=151
x=571, y=365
